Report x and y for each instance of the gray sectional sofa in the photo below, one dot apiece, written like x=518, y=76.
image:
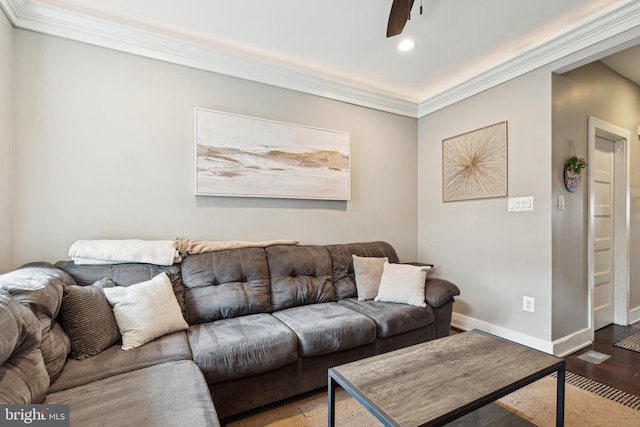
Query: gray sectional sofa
x=264, y=324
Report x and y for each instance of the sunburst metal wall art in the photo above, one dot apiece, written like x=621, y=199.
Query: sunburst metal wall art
x=474, y=164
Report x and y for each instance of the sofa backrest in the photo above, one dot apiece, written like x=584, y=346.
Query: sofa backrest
x=235, y=282
x=225, y=284
x=23, y=375
x=299, y=275
x=342, y=262
x=124, y=275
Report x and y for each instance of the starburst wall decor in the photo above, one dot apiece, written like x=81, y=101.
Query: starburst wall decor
x=474, y=164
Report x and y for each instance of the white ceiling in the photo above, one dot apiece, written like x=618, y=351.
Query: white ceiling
x=337, y=48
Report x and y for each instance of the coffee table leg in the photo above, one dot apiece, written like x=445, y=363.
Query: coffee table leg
x=332, y=401
x=560, y=397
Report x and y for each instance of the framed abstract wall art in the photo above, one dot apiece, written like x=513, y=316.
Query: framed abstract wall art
x=474, y=164
x=251, y=157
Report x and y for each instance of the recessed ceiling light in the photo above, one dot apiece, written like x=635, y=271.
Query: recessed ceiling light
x=406, y=44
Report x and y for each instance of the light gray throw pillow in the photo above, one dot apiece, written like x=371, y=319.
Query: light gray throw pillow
x=146, y=311
x=368, y=271
x=404, y=284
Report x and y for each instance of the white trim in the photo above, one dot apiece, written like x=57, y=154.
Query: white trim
x=634, y=315
x=610, y=23
x=622, y=216
x=39, y=17
x=468, y=323
x=571, y=343
x=11, y=8
x=54, y=21
x=560, y=347
x=622, y=250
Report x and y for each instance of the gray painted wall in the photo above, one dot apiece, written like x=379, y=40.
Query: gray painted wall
x=6, y=144
x=591, y=90
x=494, y=256
x=102, y=144
x=497, y=257
x=104, y=150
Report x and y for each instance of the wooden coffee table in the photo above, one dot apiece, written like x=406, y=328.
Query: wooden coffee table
x=433, y=383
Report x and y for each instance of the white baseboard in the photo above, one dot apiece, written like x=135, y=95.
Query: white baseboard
x=560, y=347
x=468, y=323
x=634, y=315
x=572, y=343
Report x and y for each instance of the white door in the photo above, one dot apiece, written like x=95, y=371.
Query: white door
x=603, y=233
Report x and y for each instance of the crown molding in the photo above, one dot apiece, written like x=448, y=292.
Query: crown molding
x=30, y=15
x=11, y=8
x=46, y=19
x=609, y=23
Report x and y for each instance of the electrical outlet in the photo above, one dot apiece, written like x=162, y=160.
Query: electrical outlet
x=528, y=303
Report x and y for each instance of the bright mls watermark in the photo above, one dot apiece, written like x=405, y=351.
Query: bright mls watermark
x=34, y=415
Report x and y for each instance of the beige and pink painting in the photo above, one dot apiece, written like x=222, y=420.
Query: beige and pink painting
x=252, y=157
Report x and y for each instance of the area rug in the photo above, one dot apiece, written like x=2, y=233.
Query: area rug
x=594, y=405
x=602, y=390
x=535, y=403
x=632, y=342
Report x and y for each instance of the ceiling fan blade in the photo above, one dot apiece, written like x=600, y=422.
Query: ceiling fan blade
x=400, y=10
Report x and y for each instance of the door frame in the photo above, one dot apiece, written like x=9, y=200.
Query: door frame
x=622, y=217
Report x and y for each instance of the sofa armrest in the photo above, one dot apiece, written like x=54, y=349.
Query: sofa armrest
x=439, y=291
x=418, y=264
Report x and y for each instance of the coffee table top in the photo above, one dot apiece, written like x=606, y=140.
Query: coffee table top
x=444, y=378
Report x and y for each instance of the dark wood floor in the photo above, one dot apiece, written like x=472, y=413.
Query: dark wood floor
x=621, y=370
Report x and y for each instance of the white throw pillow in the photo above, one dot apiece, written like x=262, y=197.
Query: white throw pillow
x=368, y=271
x=145, y=311
x=403, y=284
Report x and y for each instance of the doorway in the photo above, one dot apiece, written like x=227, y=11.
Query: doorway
x=609, y=221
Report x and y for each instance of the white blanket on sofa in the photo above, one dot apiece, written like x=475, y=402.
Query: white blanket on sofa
x=159, y=252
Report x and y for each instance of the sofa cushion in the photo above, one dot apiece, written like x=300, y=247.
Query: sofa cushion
x=114, y=361
x=392, y=319
x=170, y=394
x=242, y=346
x=299, y=275
x=55, y=346
x=23, y=378
x=145, y=311
x=225, y=284
x=326, y=328
x=38, y=286
x=23, y=375
x=88, y=319
x=342, y=263
x=124, y=275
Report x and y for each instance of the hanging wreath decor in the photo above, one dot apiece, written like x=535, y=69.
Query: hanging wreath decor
x=572, y=169
x=575, y=164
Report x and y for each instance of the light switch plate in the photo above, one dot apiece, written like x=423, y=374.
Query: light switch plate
x=520, y=204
